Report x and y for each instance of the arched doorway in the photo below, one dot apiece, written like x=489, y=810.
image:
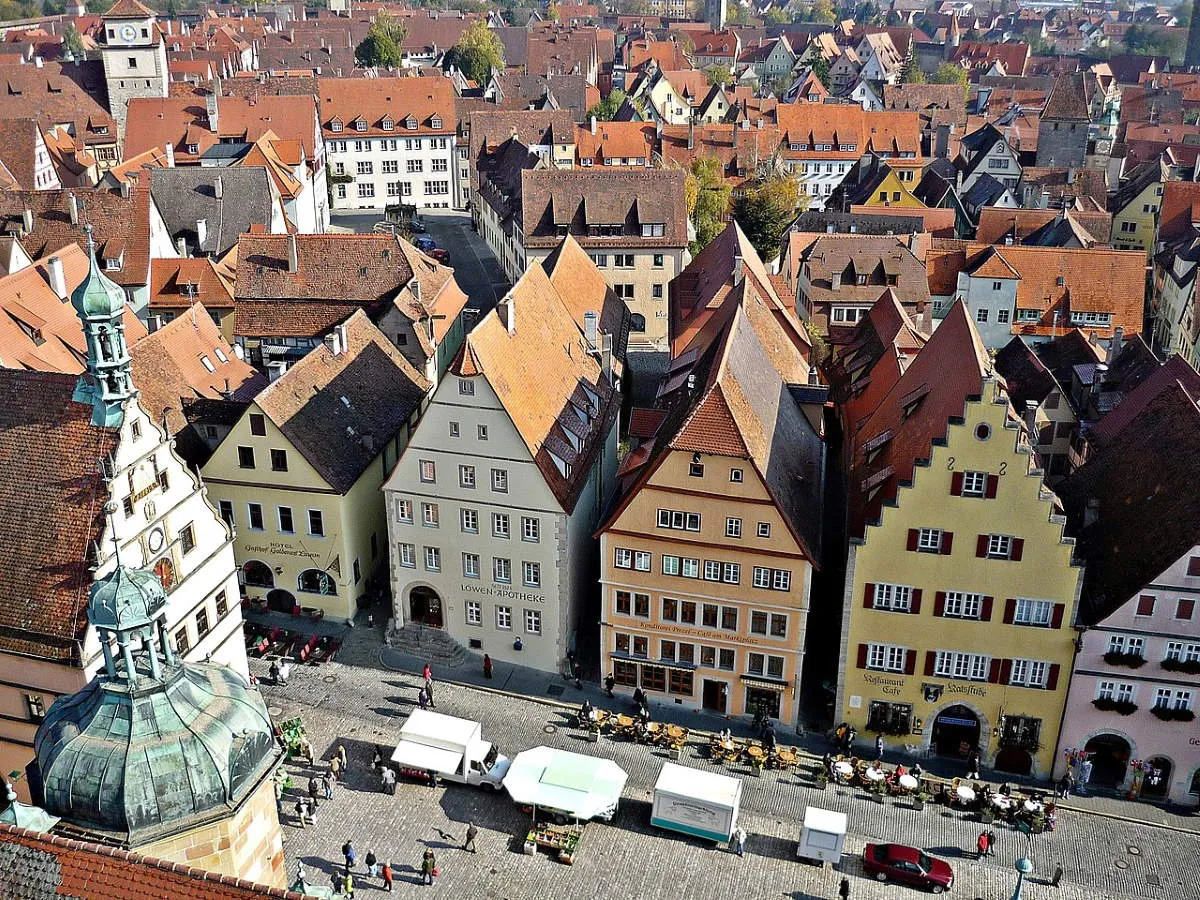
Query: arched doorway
x=1157, y=783
x=425, y=606
x=258, y=574
x=316, y=581
x=281, y=601
x=1109, y=754
x=955, y=731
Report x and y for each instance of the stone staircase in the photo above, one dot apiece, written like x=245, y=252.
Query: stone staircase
x=429, y=644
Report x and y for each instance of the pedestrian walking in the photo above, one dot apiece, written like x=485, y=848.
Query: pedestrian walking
x=285, y=672
x=487, y=666
x=349, y=853
x=301, y=809
x=335, y=767
x=341, y=752
x=314, y=791
x=372, y=863
x=609, y=683
x=427, y=673
x=348, y=886
x=377, y=759
x=327, y=784
x=388, y=780
x=981, y=844
x=578, y=673
x=428, y=867
x=1057, y=876
x=339, y=882
x=844, y=889
x=386, y=872
x=423, y=699
x=306, y=750
x=973, y=760
x=739, y=840
x=429, y=692
x=879, y=746
x=472, y=833
x=991, y=843
x=273, y=671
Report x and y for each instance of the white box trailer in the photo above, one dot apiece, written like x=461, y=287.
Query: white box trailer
x=453, y=748
x=692, y=801
x=822, y=835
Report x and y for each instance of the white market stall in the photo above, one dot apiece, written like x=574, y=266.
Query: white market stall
x=822, y=835
x=691, y=801
x=577, y=786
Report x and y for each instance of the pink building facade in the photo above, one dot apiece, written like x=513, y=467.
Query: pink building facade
x=1135, y=690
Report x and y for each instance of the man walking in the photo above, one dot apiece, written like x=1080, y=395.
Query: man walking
x=487, y=666
x=335, y=767
x=844, y=889
x=341, y=752
x=314, y=792
x=388, y=779
x=327, y=784
x=991, y=843
x=349, y=854
x=372, y=864
x=879, y=747
x=472, y=833
x=739, y=840
x=973, y=761
x=609, y=683
x=429, y=692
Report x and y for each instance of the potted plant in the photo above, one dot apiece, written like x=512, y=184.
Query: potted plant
x=594, y=732
x=821, y=779
x=675, y=751
x=919, y=799
x=757, y=764
x=876, y=790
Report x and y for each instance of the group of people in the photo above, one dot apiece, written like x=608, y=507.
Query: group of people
x=843, y=737
x=320, y=787
x=280, y=671
x=343, y=882
x=425, y=694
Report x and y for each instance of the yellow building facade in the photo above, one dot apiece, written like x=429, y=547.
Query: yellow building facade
x=895, y=190
x=1135, y=220
x=959, y=602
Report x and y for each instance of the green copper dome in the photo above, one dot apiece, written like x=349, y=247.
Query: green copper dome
x=98, y=296
x=125, y=599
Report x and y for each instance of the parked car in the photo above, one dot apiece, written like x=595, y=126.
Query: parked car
x=907, y=865
x=425, y=244
x=416, y=226
x=442, y=256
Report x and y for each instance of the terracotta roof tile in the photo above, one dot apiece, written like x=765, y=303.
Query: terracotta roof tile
x=48, y=94
x=376, y=101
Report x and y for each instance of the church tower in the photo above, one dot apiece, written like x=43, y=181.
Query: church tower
x=134, y=55
x=100, y=304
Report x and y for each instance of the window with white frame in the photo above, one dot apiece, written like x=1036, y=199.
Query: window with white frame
x=623, y=558
x=961, y=605
x=433, y=559
x=531, y=574
x=999, y=546
x=1179, y=651
x=466, y=387
x=1120, y=691
x=504, y=618
x=404, y=512
x=764, y=529
x=408, y=556
x=470, y=565
x=733, y=527
x=894, y=597
x=531, y=529
x=967, y=666
x=712, y=570
x=470, y=521
x=466, y=476
x=731, y=573
x=642, y=560
x=533, y=621
x=500, y=480
x=886, y=657
x=974, y=484
x=678, y=520
x=474, y=612
x=429, y=515
x=1127, y=645
x=500, y=525
x=1033, y=612
x=501, y=570
x=1029, y=673
x=428, y=471
x=929, y=539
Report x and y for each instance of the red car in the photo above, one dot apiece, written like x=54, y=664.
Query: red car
x=442, y=256
x=907, y=865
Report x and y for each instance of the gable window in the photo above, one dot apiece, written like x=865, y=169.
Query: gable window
x=279, y=461
x=389, y=125
x=245, y=457
x=258, y=424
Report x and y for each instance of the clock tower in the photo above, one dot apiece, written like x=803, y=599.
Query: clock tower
x=135, y=57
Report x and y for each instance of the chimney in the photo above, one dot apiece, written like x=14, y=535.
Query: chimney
x=338, y=339
x=593, y=124
x=1098, y=376
x=181, y=246
x=170, y=151
x=293, y=255
x=1114, y=348
x=591, y=322
x=1070, y=176
x=691, y=134
x=218, y=188
x=126, y=190
x=505, y=309
x=73, y=208
x=58, y=278
x=211, y=108
x=739, y=268
x=1031, y=408
x=201, y=233
x=27, y=220
x=835, y=281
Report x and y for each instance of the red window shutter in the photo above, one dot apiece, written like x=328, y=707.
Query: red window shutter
x=1010, y=610
x=930, y=661
x=1018, y=548
x=981, y=543
x=912, y=538
x=947, y=542
x=1057, y=616
x=862, y=656
x=910, y=662
x=939, y=603
x=1194, y=565
x=915, y=606
x=1052, y=676
x=956, y=481
x=985, y=609
x=1006, y=671
x=1186, y=607
x=869, y=596
x=993, y=484
x=994, y=670
x=1145, y=605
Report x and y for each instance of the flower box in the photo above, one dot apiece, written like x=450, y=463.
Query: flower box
x=1117, y=658
x=1122, y=707
x=1191, y=666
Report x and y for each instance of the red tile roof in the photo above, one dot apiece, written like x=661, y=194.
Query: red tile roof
x=376, y=101
x=69, y=868
x=1179, y=214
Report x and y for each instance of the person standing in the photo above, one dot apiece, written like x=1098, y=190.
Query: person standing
x=739, y=840
x=372, y=863
x=577, y=671
x=429, y=692
x=335, y=767
x=301, y=809
x=991, y=843
x=1085, y=776
x=879, y=746
x=327, y=784
x=386, y=872
x=350, y=855
x=285, y=672
x=377, y=759
x=423, y=698
x=844, y=889
x=609, y=683
x=487, y=666
x=388, y=779
x=341, y=752
x=428, y=864
x=973, y=760
x=348, y=886
x=981, y=844
x=314, y=791
x=472, y=833
x=273, y=671
x=427, y=673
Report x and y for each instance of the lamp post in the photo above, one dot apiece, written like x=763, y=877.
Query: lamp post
x=1024, y=866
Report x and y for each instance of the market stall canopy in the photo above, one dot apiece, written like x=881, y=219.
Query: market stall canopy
x=581, y=786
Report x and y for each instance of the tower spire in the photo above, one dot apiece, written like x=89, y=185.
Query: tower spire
x=100, y=304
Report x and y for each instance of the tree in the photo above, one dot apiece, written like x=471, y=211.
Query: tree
x=707, y=194
x=735, y=14
x=820, y=68
x=477, y=53
x=633, y=7
x=552, y=12
x=910, y=72
x=377, y=49
x=776, y=15
x=948, y=73
x=607, y=108
x=765, y=211
x=823, y=11
x=72, y=42
x=717, y=75
x=53, y=7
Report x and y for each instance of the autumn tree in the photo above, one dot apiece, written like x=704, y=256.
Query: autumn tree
x=949, y=73
x=477, y=52
x=717, y=75
x=765, y=211
x=707, y=193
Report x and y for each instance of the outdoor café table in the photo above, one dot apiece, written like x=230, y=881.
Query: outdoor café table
x=786, y=757
x=674, y=731
x=1032, y=806
x=1001, y=802
x=843, y=768
x=874, y=775
x=966, y=794
x=653, y=727
x=908, y=782
x=754, y=752
x=624, y=721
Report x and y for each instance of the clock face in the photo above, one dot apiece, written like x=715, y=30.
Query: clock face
x=128, y=33
x=155, y=540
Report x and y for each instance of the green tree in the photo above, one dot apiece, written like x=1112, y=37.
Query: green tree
x=552, y=12
x=776, y=15
x=707, y=194
x=633, y=7
x=99, y=7
x=53, y=7
x=377, y=49
x=948, y=73
x=822, y=11
x=717, y=75
x=607, y=108
x=72, y=41
x=1183, y=14
x=478, y=52
x=765, y=211
x=910, y=72
x=820, y=68
x=735, y=14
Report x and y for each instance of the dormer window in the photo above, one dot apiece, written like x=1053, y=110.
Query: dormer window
x=113, y=263
x=101, y=129
x=656, y=230
x=335, y=126
x=389, y=125
x=411, y=123
x=436, y=122
x=360, y=125
x=193, y=149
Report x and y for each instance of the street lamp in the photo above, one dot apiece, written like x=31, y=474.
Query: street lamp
x=1024, y=866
